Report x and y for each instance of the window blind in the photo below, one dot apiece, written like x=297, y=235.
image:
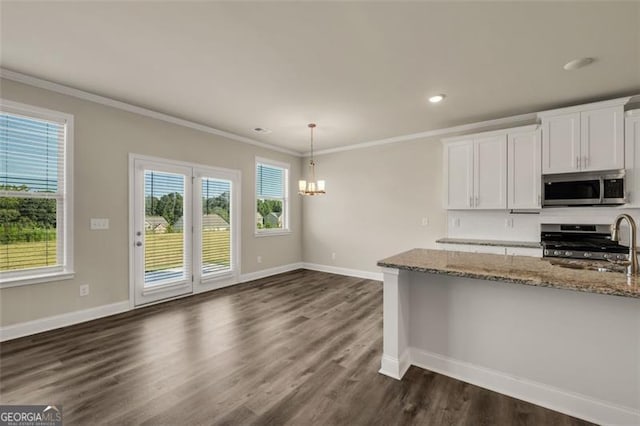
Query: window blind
x=216, y=226
x=164, y=223
x=269, y=181
x=31, y=192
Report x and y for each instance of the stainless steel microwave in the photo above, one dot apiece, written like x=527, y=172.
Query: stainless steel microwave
x=584, y=189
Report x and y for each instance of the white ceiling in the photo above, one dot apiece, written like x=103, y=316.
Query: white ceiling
x=361, y=70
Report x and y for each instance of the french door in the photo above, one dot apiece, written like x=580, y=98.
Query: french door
x=185, y=229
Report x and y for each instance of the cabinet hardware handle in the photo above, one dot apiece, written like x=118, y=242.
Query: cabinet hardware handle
x=470, y=201
x=585, y=162
x=539, y=200
x=577, y=162
x=477, y=201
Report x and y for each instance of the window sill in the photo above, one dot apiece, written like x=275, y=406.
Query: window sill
x=272, y=233
x=35, y=279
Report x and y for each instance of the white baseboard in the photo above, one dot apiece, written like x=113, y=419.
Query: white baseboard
x=270, y=271
x=573, y=404
x=344, y=271
x=395, y=367
x=22, y=329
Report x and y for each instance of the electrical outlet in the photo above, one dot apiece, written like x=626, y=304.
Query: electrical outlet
x=84, y=290
x=456, y=222
x=425, y=221
x=99, y=224
x=333, y=256
x=259, y=259
x=508, y=223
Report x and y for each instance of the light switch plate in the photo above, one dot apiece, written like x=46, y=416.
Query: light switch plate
x=99, y=224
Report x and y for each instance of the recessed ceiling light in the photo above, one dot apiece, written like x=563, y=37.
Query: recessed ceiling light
x=261, y=130
x=577, y=63
x=436, y=98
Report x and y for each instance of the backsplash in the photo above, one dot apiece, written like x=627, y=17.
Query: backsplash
x=502, y=225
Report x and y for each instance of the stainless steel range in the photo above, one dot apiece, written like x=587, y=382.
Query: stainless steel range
x=581, y=242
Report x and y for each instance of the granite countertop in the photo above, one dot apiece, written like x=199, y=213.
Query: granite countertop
x=541, y=272
x=496, y=243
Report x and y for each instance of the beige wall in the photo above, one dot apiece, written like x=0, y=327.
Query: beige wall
x=104, y=137
x=376, y=199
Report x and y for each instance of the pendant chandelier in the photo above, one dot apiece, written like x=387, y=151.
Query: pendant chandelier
x=311, y=187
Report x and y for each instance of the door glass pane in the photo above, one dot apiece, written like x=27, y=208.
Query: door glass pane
x=164, y=259
x=216, y=226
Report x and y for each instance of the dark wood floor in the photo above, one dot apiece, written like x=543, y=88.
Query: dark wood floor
x=299, y=348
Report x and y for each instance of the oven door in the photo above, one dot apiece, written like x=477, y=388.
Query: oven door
x=560, y=192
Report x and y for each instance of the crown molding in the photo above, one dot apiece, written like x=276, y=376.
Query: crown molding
x=587, y=107
x=81, y=94
x=515, y=120
x=529, y=118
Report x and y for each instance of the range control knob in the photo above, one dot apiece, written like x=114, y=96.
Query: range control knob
x=568, y=253
x=556, y=253
x=606, y=256
x=587, y=254
x=620, y=257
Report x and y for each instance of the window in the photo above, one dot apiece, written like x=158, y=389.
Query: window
x=272, y=196
x=35, y=195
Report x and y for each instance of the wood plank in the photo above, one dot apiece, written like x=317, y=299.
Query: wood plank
x=302, y=347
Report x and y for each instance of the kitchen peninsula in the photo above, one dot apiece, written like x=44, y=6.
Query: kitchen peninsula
x=564, y=338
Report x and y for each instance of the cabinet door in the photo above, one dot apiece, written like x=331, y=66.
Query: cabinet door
x=459, y=182
x=602, y=139
x=561, y=143
x=632, y=158
x=524, y=170
x=490, y=172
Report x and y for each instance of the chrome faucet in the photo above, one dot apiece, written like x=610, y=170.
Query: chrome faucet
x=632, y=267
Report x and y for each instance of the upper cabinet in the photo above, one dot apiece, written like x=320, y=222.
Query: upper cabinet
x=561, y=143
x=458, y=161
x=602, y=139
x=524, y=169
x=503, y=169
x=490, y=172
x=632, y=157
x=476, y=172
x=585, y=138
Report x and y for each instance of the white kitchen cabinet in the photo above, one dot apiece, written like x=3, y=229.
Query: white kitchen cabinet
x=585, y=138
x=459, y=176
x=490, y=172
x=632, y=158
x=524, y=169
x=561, y=143
x=602, y=139
x=476, y=172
